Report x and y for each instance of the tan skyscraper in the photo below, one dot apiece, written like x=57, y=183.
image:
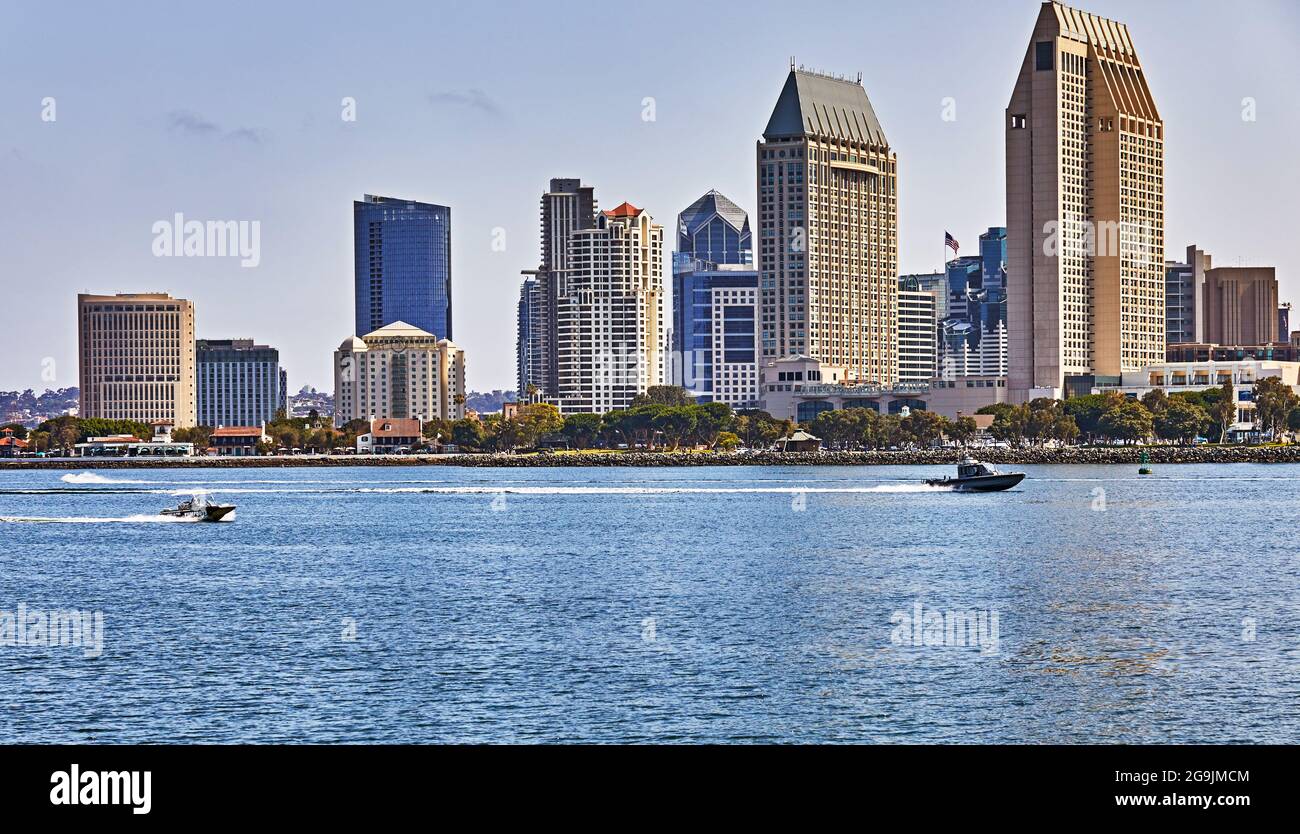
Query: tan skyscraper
x=137, y=358
x=828, y=230
x=1085, y=209
x=1241, y=305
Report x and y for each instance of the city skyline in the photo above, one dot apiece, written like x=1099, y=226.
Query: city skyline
x=92, y=185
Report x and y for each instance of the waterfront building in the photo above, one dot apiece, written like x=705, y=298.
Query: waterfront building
x=1202, y=352
x=402, y=270
x=10, y=446
x=390, y=437
x=715, y=304
x=239, y=383
x=1085, y=209
x=530, y=346
x=398, y=372
x=159, y=445
x=1172, y=377
x=566, y=207
x=136, y=358
x=828, y=229
x=237, y=441
x=611, y=341
x=800, y=387
x=917, y=333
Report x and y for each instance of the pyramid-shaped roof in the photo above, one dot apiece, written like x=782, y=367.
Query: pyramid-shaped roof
x=704, y=209
x=624, y=210
x=812, y=104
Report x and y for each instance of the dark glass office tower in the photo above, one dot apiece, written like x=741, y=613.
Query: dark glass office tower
x=715, y=298
x=403, y=265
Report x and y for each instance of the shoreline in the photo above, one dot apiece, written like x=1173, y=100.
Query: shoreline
x=1158, y=455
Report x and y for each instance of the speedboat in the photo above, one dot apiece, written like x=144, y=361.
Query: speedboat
x=199, y=508
x=973, y=476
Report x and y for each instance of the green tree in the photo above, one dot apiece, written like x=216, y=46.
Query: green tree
x=581, y=430
x=1181, y=420
x=1293, y=421
x=1155, y=401
x=924, y=427
x=534, y=422
x=728, y=441
x=710, y=420
x=468, y=433
x=1224, y=410
x=963, y=430
x=1011, y=424
x=675, y=424
x=1274, y=401
x=1126, y=421
x=669, y=395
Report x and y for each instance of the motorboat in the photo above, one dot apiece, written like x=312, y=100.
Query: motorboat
x=973, y=476
x=200, y=508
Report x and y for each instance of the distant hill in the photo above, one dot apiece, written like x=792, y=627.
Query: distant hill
x=488, y=403
x=31, y=409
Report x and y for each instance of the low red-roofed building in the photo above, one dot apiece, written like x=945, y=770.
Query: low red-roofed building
x=390, y=436
x=236, y=441
x=10, y=446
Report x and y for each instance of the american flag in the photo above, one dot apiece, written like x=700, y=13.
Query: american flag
x=949, y=240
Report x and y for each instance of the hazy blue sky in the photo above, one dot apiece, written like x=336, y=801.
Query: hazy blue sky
x=231, y=111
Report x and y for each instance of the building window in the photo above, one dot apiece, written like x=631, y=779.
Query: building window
x=1043, y=55
x=1018, y=121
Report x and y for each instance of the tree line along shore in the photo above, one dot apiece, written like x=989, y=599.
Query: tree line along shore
x=666, y=424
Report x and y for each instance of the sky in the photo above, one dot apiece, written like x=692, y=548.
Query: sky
x=233, y=111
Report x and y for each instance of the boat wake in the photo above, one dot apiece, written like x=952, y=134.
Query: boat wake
x=96, y=478
x=575, y=490
x=130, y=519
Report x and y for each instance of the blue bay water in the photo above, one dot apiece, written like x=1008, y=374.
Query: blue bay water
x=657, y=605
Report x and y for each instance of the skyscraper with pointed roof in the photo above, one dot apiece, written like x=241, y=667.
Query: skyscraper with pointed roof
x=715, y=301
x=828, y=229
x=1085, y=209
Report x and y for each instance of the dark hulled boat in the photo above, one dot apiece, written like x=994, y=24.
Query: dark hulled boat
x=973, y=476
x=200, y=509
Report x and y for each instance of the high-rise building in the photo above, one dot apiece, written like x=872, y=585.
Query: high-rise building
x=715, y=298
x=828, y=229
x=403, y=264
x=1185, y=298
x=136, y=354
x=566, y=207
x=1284, y=322
x=610, y=329
x=1085, y=209
x=528, y=340
x=973, y=327
x=239, y=383
x=1241, y=305
x=917, y=342
x=400, y=372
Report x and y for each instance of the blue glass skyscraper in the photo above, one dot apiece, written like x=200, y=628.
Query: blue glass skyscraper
x=403, y=264
x=715, y=298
